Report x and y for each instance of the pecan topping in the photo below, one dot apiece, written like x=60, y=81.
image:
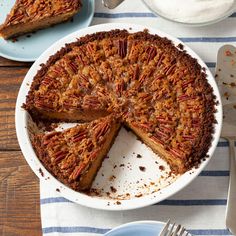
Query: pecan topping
x=188, y=137
x=16, y=18
x=58, y=156
x=152, y=52
x=73, y=66
x=136, y=73
x=157, y=139
x=80, y=135
x=161, y=58
x=158, y=77
x=77, y=171
x=170, y=69
x=185, y=84
x=47, y=137
x=185, y=97
x=93, y=155
x=122, y=48
x=162, y=135
x=47, y=80
x=91, y=102
x=120, y=87
x=44, y=104
x=101, y=129
x=58, y=70
x=80, y=59
x=176, y=152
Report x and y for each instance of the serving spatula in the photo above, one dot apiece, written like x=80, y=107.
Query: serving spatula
x=111, y=4
x=226, y=78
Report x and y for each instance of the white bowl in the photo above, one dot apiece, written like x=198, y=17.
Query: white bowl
x=129, y=178
x=151, y=6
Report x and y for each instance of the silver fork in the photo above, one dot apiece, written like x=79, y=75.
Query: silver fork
x=173, y=230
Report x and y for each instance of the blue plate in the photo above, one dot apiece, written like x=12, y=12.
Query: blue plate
x=30, y=46
x=138, y=228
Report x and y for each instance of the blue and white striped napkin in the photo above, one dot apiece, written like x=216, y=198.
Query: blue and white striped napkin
x=201, y=205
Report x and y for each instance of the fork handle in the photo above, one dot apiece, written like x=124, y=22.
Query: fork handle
x=231, y=207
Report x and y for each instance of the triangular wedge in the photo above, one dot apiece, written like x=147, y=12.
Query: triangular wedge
x=75, y=155
x=28, y=15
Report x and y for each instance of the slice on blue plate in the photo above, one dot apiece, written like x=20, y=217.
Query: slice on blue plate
x=31, y=45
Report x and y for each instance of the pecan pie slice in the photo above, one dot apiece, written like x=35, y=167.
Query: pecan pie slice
x=31, y=15
x=75, y=155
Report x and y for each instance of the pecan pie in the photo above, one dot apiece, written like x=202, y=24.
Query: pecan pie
x=156, y=89
x=31, y=15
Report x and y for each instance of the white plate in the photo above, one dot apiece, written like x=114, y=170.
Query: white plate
x=128, y=176
x=152, y=7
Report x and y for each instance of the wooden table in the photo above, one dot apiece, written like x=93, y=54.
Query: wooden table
x=19, y=192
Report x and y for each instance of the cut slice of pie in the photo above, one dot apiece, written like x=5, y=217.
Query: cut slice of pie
x=31, y=15
x=75, y=155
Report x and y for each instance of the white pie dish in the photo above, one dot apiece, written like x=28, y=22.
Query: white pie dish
x=129, y=179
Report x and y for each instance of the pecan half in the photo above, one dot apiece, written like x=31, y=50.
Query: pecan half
x=188, y=137
x=136, y=73
x=101, y=130
x=161, y=58
x=80, y=59
x=93, y=155
x=79, y=136
x=16, y=18
x=186, y=83
x=176, y=152
x=157, y=139
x=41, y=103
x=91, y=102
x=170, y=70
x=185, y=97
x=77, y=171
x=47, y=137
x=120, y=87
x=162, y=135
x=122, y=48
x=58, y=156
x=73, y=66
x=152, y=52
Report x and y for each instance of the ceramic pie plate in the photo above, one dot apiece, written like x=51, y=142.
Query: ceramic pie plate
x=132, y=176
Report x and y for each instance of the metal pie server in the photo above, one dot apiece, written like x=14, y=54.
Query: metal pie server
x=226, y=78
x=111, y=4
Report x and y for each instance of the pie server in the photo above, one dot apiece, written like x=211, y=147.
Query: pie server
x=111, y=4
x=226, y=79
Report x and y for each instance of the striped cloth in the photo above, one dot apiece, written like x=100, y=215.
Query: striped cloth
x=201, y=205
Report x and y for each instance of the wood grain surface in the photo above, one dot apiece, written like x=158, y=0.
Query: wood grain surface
x=19, y=191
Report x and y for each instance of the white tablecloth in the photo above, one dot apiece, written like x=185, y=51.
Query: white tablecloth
x=201, y=205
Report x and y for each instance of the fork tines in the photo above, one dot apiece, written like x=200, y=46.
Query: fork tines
x=173, y=230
